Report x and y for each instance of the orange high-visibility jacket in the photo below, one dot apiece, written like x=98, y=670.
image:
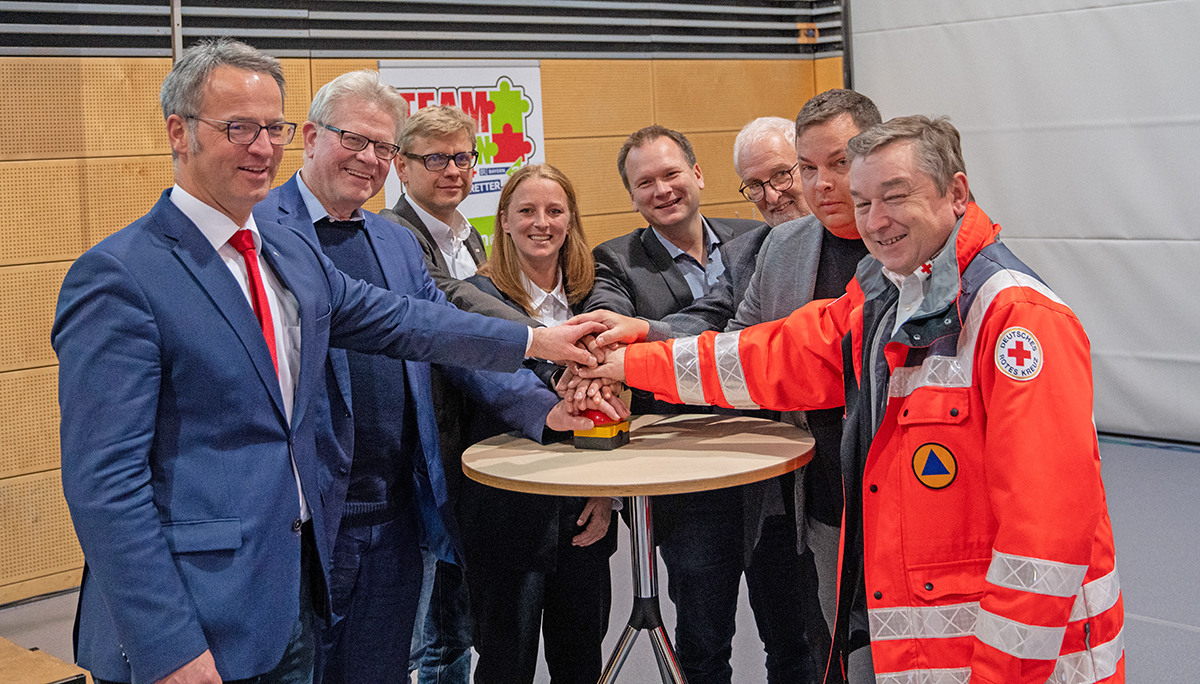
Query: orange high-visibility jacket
x=986, y=547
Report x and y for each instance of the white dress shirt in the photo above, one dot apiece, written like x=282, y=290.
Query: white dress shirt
x=549, y=308
x=451, y=241
x=285, y=310
x=913, y=288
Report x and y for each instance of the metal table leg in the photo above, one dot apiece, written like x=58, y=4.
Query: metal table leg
x=645, y=615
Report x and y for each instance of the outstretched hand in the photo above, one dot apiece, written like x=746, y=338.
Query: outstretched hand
x=612, y=369
x=559, y=343
x=620, y=329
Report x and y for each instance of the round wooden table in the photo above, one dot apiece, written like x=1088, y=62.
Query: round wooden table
x=665, y=455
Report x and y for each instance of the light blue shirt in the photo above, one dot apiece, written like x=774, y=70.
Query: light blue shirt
x=700, y=278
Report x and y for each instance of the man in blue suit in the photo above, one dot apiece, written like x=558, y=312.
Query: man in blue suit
x=189, y=376
x=382, y=409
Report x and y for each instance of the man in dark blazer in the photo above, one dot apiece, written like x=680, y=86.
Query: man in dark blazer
x=189, y=371
x=652, y=272
x=799, y=260
x=382, y=410
x=453, y=248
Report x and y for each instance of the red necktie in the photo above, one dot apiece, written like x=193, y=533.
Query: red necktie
x=243, y=242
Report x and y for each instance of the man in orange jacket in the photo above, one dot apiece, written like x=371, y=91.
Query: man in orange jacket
x=979, y=543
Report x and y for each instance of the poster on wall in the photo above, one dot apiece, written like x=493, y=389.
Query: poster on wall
x=505, y=99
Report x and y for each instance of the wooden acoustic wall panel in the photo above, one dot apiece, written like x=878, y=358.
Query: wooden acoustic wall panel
x=591, y=164
x=299, y=92
x=29, y=426
x=714, y=153
x=828, y=74
x=36, y=535
x=724, y=95
x=55, y=209
x=604, y=227
x=26, y=314
x=64, y=107
x=739, y=210
x=325, y=70
x=592, y=98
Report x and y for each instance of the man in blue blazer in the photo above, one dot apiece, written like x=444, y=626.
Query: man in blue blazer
x=189, y=374
x=382, y=410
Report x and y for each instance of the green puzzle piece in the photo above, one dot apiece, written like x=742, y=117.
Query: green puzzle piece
x=511, y=107
x=487, y=149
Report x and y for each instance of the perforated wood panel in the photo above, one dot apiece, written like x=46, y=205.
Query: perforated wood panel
x=323, y=71
x=591, y=164
x=63, y=107
x=828, y=73
x=588, y=98
x=714, y=153
x=56, y=209
x=716, y=95
x=26, y=314
x=605, y=227
x=738, y=210
x=36, y=536
x=29, y=422
x=299, y=93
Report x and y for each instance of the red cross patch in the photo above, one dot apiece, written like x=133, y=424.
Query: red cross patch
x=927, y=267
x=1019, y=354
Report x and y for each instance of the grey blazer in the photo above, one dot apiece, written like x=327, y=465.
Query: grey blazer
x=462, y=294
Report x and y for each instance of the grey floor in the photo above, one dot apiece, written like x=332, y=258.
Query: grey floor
x=1153, y=498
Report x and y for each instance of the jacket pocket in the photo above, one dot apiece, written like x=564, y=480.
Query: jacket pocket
x=942, y=405
x=192, y=536
x=952, y=582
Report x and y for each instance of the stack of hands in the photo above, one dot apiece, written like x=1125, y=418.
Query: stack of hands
x=592, y=345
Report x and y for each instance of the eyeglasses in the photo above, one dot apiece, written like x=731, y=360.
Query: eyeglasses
x=357, y=143
x=279, y=133
x=438, y=161
x=780, y=180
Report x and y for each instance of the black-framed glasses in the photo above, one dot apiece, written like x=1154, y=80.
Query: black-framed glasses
x=780, y=180
x=279, y=133
x=438, y=161
x=357, y=143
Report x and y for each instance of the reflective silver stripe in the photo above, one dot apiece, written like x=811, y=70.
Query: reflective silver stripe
x=935, y=371
x=687, y=371
x=1019, y=640
x=1097, y=596
x=729, y=370
x=1072, y=668
x=957, y=675
x=1036, y=575
x=924, y=622
x=955, y=371
x=1084, y=667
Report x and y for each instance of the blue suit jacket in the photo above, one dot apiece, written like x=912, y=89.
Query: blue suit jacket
x=519, y=399
x=176, y=452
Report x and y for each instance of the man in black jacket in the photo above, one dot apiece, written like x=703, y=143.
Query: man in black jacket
x=652, y=272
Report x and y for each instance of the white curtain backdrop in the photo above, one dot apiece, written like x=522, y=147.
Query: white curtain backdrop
x=1081, y=132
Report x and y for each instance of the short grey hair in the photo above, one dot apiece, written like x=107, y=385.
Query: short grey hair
x=363, y=86
x=829, y=105
x=759, y=131
x=435, y=121
x=937, y=146
x=182, y=90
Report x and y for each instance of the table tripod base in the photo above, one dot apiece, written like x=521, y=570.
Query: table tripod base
x=645, y=616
